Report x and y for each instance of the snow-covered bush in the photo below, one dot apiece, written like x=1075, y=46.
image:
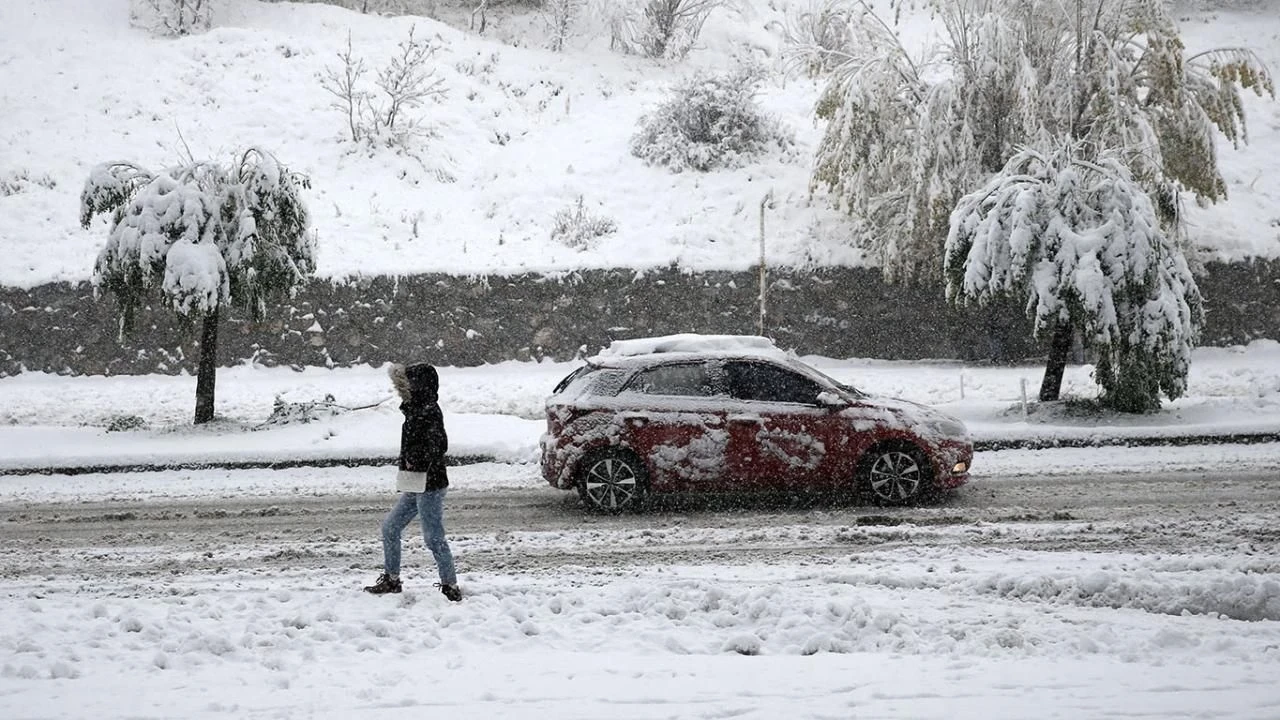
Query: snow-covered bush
x=387, y=117
x=13, y=182
x=173, y=18
x=656, y=28
x=579, y=228
x=200, y=236
x=125, y=423
x=819, y=35
x=709, y=121
x=426, y=8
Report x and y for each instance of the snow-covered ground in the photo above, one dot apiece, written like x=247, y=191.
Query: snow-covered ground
x=213, y=605
x=891, y=634
x=522, y=134
x=497, y=410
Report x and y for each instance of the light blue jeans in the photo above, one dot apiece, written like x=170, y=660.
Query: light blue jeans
x=429, y=506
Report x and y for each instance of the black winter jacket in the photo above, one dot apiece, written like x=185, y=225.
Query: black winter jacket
x=423, y=441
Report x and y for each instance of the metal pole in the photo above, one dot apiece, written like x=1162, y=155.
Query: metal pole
x=764, y=202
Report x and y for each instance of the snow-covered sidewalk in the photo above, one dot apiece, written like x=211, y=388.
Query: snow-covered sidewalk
x=495, y=411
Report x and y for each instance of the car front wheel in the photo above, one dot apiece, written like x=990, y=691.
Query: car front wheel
x=612, y=482
x=896, y=476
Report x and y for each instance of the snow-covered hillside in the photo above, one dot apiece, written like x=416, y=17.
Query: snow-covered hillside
x=522, y=133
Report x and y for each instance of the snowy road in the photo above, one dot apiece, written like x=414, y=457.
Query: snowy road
x=523, y=529
x=1080, y=596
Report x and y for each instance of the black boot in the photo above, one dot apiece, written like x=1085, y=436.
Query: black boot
x=385, y=584
x=450, y=591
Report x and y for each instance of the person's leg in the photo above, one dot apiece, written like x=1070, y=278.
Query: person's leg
x=393, y=527
x=431, y=512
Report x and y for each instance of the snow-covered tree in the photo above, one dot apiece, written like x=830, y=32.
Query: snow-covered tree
x=908, y=137
x=1081, y=243
x=561, y=17
x=201, y=236
x=388, y=118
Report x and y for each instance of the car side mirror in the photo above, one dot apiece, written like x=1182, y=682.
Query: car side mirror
x=828, y=399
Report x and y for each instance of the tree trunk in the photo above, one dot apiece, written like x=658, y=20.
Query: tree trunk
x=206, y=376
x=1059, y=347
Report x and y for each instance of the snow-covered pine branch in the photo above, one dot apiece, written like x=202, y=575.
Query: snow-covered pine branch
x=1081, y=243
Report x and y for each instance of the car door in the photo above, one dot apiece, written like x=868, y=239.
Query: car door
x=780, y=436
x=674, y=419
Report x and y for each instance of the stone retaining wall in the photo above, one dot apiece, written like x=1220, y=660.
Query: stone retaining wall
x=451, y=320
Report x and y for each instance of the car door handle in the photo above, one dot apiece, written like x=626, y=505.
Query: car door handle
x=746, y=418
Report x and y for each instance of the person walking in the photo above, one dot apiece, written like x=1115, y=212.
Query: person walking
x=422, y=480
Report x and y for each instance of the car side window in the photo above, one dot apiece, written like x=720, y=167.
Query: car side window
x=770, y=383
x=685, y=379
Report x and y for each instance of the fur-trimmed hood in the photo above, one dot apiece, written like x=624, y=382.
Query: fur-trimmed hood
x=418, y=383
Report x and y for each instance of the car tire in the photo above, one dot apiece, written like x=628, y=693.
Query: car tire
x=612, y=482
x=896, y=474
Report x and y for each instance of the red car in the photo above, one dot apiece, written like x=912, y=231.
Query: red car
x=734, y=413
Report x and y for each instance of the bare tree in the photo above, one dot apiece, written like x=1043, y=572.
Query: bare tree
x=406, y=82
x=342, y=83
x=174, y=18
x=561, y=17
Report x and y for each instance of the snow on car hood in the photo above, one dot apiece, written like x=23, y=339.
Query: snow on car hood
x=929, y=423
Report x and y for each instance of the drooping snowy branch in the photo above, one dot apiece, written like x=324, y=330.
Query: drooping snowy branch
x=203, y=235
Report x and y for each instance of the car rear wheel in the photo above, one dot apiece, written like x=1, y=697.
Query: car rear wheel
x=612, y=482
x=896, y=475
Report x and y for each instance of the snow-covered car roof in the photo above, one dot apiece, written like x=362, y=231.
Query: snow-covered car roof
x=640, y=351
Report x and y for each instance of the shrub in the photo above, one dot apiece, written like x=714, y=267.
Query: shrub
x=656, y=28
x=820, y=36
x=405, y=83
x=709, y=121
x=172, y=18
x=576, y=227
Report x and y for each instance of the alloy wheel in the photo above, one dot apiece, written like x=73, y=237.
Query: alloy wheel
x=611, y=484
x=895, y=477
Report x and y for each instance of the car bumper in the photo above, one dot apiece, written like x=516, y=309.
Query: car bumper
x=556, y=463
x=953, y=462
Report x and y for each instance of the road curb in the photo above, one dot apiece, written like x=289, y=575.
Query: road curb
x=1117, y=441
x=451, y=460
x=995, y=445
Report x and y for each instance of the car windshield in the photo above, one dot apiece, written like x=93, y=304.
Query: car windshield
x=591, y=379
x=855, y=392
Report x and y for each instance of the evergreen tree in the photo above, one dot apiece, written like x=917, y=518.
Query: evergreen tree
x=201, y=236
